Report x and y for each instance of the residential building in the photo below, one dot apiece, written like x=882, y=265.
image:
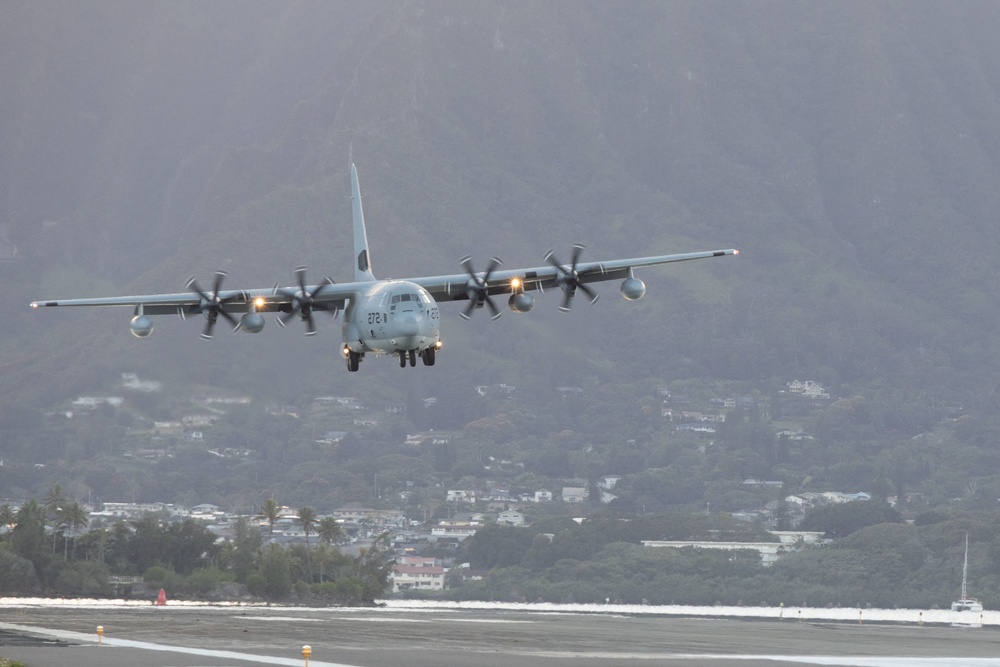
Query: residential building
x=510, y=518
x=418, y=577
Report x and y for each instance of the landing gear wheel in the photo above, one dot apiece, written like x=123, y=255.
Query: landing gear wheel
x=353, y=361
x=402, y=359
x=413, y=358
x=428, y=356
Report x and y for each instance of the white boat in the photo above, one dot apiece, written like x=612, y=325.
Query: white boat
x=965, y=603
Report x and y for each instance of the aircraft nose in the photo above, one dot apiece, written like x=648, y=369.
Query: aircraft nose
x=407, y=330
x=408, y=323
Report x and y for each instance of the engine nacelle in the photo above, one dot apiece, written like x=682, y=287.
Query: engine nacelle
x=252, y=322
x=141, y=326
x=633, y=288
x=520, y=302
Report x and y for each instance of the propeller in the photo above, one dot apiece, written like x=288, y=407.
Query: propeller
x=212, y=304
x=569, y=279
x=303, y=301
x=478, y=289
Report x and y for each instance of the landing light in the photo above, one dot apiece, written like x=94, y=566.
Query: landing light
x=516, y=283
x=345, y=351
x=259, y=302
x=736, y=252
x=438, y=345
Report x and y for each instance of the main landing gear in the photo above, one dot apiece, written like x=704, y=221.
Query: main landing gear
x=428, y=357
x=353, y=360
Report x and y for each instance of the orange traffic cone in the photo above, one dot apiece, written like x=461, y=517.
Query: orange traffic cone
x=161, y=599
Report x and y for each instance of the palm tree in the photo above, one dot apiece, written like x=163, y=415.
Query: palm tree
x=307, y=519
x=28, y=536
x=328, y=530
x=74, y=517
x=55, y=499
x=271, y=512
x=8, y=516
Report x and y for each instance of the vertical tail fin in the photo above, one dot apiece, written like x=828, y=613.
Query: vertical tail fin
x=362, y=267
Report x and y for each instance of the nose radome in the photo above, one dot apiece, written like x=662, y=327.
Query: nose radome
x=408, y=318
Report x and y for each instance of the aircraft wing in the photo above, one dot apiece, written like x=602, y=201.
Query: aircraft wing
x=554, y=274
x=325, y=296
x=302, y=300
x=299, y=301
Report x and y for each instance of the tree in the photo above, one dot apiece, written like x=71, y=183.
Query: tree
x=55, y=500
x=189, y=545
x=498, y=546
x=74, y=517
x=28, y=536
x=8, y=515
x=17, y=574
x=307, y=519
x=328, y=530
x=271, y=512
x=275, y=579
x=374, y=568
x=246, y=543
x=845, y=518
x=144, y=546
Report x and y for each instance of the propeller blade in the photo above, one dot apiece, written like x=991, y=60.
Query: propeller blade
x=493, y=307
x=569, y=279
x=594, y=296
x=466, y=314
x=192, y=285
x=477, y=287
x=206, y=333
x=212, y=304
x=304, y=301
x=494, y=263
x=219, y=276
x=567, y=301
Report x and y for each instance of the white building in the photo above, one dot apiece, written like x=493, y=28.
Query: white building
x=510, y=518
x=418, y=577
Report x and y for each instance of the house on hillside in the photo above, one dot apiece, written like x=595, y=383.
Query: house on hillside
x=543, y=496
x=461, y=496
x=807, y=389
x=510, y=518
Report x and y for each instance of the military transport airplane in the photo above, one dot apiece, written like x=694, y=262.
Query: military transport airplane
x=397, y=317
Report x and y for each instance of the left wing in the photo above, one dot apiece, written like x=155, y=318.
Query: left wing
x=569, y=277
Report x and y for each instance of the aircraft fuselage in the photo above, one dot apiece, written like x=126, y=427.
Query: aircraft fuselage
x=392, y=317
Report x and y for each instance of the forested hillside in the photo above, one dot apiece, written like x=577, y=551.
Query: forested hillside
x=850, y=150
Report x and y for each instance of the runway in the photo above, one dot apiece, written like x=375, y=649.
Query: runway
x=214, y=636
